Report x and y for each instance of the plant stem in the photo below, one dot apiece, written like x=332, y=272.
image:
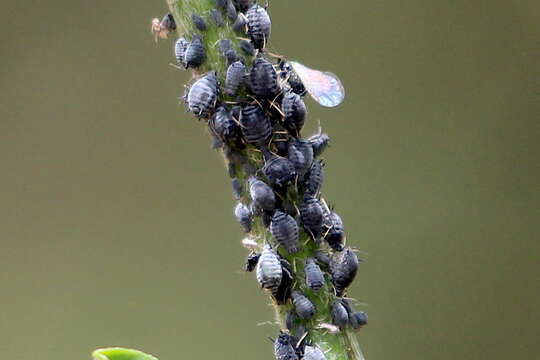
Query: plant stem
x=342, y=344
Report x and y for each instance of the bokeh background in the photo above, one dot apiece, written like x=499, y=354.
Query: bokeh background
x=116, y=223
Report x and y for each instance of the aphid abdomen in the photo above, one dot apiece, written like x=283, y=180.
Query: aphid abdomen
x=314, y=275
x=235, y=78
x=339, y=314
x=358, y=319
x=343, y=267
x=301, y=155
x=244, y=216
x=279, y=170
x=262, y=195
x=284, y=348
x=319, y=142
x=311, y=215
x=313, y=353
x=224, y=126
x=199, y=22
x=195, y=53
x=203, y=94
x=269, y=271
x=232, y=14
x=294, y=111
x=247, y=47
x=180, y=48
x=314, y=179
x=255, y=124
x=263, y=79
x=285, y=230
x=302, y=305
x=217, y=17
x=259, y=25
x=335, y=234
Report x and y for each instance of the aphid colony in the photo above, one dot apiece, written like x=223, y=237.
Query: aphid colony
x=256, y=112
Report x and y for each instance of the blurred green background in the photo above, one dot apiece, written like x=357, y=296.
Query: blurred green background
x=116, y=223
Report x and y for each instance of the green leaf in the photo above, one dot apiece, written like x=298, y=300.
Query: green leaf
x=117, y=353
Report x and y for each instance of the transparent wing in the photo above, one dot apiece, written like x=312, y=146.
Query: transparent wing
x=324, y=87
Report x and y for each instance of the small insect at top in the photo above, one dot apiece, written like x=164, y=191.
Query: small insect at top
x=324, y=87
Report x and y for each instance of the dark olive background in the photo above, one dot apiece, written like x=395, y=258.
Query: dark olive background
x=115, y=216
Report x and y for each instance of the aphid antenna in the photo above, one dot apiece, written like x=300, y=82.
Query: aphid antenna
x=301, y=339
x=176, y=66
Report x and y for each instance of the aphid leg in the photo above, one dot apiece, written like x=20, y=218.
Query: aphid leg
x=176, y=66
x=301, y=339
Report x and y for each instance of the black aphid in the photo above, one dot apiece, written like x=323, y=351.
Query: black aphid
x=269, y=271
x=222, y=3
x=217, y=17
x=255, y=125
x=231, y=11
x=168, y=23
x=323, y=258
x=231, y=56
x=311, y=215
x=244, y=216
x=283, y=292
x=339, y=314
x=195, y=53
x=224, y=45
x=237, y=188
x=262, y=195
x=243, y=5
x=247, y=47
x=251, y=261
x=293, y=80
x=199, y=22
x=343, y=267
x=301, y=155
x=278, y=170
x=294, y=111
x=313, y=353
x=259, y=25
x=319, y=142
x=285, y=230
x=203, y=94
x=224, y=126
x=180, y=49
x=358, y=319
x=240, y=24
x=263, y=79
x=302, y=305
x=335, y=233
x=314, y=275
x=236, y=74
x=284, y=347
x=314, y=179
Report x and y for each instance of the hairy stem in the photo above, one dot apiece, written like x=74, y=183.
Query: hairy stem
x=246, y=161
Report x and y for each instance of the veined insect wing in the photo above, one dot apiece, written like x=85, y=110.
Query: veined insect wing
x=324, y=87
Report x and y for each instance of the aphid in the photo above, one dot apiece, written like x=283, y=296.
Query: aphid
x=302, y=305
x=284, y=348
x=294, y=109
x=291, y=78
x=285, y=230
x=282, y=147
x=217, y=17
x=278, y=170
x=255, y=125
x=251, y=261
x=319, y=142
x=311, y=215
x=162, y=28
x=343, y=267
x=203, y=94
x=231, y=56
x=262, y=195
x=224, y=45
x=223, y=125
x=244, y=216
x=269, y=271
x=259, y=25
x=231, y=11
x=263, y=79
x=324, y=87
x=199, y=22
x=195, y=53
x=222, y=3
x=236, y=74
x=240, y=24
x=180, y=49
x=247, y=47
x=358, y=319
x=283, y=292
x=335, y=233
x=301, y=155
x=243, y=5
x=339, y=314
x=313, y=353
x=314, y=275
x=237, y=188
x=314, y=179
x=322, y=257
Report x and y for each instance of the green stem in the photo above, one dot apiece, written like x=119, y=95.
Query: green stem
x=342, y=345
